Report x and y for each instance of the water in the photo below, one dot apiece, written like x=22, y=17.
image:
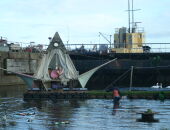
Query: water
x=93, y=114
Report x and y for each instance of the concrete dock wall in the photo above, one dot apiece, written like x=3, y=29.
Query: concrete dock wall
x=17, y=61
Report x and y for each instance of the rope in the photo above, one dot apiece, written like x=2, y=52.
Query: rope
x=152, y=67
x=110, y=85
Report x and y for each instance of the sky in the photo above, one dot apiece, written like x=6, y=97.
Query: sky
x=80, y=21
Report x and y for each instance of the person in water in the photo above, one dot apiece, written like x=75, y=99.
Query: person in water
x=116, y=96
x=116, y=99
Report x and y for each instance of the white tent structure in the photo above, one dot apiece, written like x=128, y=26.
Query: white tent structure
x=57, y=56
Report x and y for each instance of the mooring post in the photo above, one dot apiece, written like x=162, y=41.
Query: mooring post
x=131, y=78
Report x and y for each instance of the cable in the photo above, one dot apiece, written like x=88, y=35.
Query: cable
x=110, y=85
x=151, y=67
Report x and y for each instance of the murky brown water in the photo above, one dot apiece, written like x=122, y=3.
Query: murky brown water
x=93, y=114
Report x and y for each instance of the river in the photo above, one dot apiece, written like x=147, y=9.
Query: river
x=91, y=114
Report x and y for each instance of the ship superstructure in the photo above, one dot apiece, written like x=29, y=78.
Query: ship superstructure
x=129, y=40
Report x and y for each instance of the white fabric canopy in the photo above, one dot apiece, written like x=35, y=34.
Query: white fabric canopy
x=56, y=56
x=84, y=78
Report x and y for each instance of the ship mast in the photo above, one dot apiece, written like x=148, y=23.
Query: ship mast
x=129, y=15
x=132, y=17
x=131, y=20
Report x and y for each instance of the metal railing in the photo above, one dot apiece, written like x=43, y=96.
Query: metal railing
x=148, y=47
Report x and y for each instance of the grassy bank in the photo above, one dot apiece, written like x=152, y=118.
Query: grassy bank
x=161, y=95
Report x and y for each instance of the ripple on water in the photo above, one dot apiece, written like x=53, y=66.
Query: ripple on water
x=84, y=114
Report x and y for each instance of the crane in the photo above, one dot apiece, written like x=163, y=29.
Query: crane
x=109, y=41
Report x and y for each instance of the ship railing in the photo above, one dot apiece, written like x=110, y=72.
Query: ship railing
x=140, y=30
x=102, y=47
x=147, y=47
x=158, y=47
x=84, y=48
x=126, y=30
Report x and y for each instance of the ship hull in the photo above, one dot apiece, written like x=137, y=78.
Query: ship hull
x=148, y=69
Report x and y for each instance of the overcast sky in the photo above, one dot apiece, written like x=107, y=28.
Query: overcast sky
x=80, y=21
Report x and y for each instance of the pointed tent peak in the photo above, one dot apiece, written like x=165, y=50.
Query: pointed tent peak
x=56, y=42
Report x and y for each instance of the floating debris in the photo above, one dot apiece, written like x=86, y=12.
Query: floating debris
x=30, y=120
x=62, y=122
x=4, y=118
x=12, y=123
x=148, y=116
x=26, y=114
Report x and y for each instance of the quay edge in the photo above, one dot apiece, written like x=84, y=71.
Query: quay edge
x=41, y=95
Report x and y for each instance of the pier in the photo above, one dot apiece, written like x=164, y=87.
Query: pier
x=157, y=94
x=56, y=94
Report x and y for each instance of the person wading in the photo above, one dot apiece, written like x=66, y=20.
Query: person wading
x=116, y=99
x=116, y=96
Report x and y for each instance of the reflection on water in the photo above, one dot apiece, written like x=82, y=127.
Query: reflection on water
x=115, y=108
x=79, y=114
x=12, y=91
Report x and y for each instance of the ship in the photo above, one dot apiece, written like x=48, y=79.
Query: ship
x=134, y=59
